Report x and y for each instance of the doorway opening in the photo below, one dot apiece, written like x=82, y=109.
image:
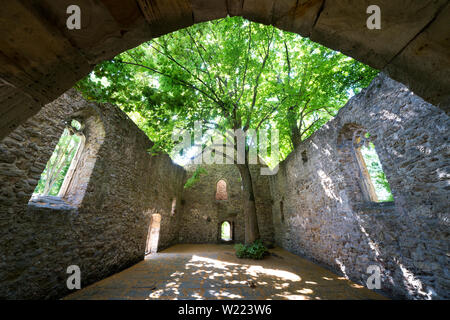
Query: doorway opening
x=153, y=234
x=225, y=231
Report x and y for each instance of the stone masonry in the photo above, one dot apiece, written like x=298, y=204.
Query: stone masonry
x=107, y=230
x=326, y=217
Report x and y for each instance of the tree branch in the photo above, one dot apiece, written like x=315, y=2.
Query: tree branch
x=180, y=81
x=255, y=88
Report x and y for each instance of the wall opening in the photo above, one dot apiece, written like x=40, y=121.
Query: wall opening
x=221, y=190
x=374, y=180
x=153, y=234
x=67, y=174
x=61, y=165
x=174, y=206
x=225, y=231
x=75, y=186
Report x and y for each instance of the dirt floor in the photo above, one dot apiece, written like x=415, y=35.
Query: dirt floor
x=214, y=272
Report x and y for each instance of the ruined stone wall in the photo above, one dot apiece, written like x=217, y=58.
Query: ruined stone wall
x=327, y=218
x=102, y=231
x=202, y=213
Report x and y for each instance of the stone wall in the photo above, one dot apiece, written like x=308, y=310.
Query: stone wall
x=202, y=213
x=327, y=217
x=102, y=226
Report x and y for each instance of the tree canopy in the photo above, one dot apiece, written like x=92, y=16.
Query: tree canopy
x=229, y=74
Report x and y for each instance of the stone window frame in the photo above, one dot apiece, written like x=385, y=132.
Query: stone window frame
x=362, y=191
x=358, y=141
x=73, y=165
x=94, y=133
x=57, y=202
x=76, y=181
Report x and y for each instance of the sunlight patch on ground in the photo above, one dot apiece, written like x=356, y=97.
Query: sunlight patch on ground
x=290, y=296
x=286, y=275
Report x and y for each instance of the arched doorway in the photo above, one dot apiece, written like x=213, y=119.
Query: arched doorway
x=153, y=234
x=226, y=231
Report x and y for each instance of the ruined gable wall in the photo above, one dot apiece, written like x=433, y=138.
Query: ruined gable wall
x=107, y=231
x=326, y=217
x=202, y=213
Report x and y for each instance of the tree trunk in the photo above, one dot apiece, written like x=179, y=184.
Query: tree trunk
x=251, y=220
x=296, y=137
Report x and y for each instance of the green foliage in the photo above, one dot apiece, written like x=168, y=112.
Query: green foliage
x=241, y=250
x=381, y=181
x=228, y=74
x=376, y=173
x=256, y=250
x=75, y=124
x=195, y=177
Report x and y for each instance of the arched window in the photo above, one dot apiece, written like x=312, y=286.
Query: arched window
x=221, y=190
x=374, y=180
x=67, y=174
x=225, y=231
x=60, y=166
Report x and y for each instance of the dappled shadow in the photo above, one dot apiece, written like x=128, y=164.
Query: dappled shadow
x=204, y=274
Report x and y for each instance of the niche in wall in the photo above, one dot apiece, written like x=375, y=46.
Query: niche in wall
x=221, y=190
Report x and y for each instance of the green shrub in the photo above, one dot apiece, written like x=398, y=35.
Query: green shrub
x=256, y=250
x=195, y=177
x=241, y=251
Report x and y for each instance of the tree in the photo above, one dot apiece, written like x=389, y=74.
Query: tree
x=317, y=83
x=229, y=74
